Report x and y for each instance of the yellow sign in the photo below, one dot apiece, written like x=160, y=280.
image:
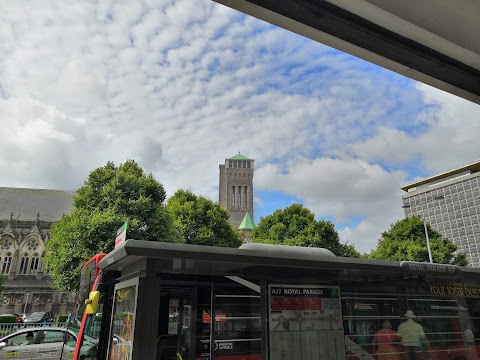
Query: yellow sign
x=12, y=354
x=454, y=290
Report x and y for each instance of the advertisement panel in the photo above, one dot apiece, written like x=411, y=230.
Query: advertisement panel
x=305, y=322
x=123, y=322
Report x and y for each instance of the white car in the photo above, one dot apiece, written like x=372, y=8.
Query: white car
x=44, y=343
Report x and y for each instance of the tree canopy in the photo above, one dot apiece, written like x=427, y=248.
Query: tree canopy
x=405, y=240
x=201, y=221
x=296, y=225
x=110, y=196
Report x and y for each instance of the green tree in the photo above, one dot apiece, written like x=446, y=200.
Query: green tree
x=296, y=225
x=201, y=221
x=110, y=196
x=405, y=240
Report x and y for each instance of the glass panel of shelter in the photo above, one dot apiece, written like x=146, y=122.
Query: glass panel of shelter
x=185, y=322
x=368, y=303
x=374, y=309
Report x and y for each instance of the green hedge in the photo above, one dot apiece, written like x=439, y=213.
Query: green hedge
x=61, y=318
x=8, y=319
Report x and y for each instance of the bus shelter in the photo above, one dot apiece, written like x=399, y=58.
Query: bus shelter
x=175, y=301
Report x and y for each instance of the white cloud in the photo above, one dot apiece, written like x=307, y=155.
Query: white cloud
x=449, y=141
x=343, y=190
x=180, y=85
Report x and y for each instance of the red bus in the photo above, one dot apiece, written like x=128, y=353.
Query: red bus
x=168, y=301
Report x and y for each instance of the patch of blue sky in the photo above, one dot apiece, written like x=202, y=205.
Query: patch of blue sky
x=271, y=201
x=414, y=169
x=352, y=222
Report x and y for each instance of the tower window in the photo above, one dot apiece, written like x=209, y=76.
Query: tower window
x=239, y=196
x=245, y=197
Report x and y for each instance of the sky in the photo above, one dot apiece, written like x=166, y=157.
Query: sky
x=179, y=86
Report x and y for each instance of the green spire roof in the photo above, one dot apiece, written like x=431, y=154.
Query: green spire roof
x=240, y=157
x=247, y=223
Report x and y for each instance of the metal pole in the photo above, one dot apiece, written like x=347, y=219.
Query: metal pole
x=428, y=242
x=25, y=308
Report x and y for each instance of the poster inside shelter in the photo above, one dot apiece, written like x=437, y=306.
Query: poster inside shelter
x=305, y=321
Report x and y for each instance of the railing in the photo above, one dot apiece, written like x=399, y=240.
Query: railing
x=8, y=328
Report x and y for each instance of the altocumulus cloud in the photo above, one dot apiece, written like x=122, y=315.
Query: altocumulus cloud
x=180, y=85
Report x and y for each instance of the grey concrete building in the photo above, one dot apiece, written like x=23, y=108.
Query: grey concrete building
x=26, y=216
x=450, y=203
x=236, y=188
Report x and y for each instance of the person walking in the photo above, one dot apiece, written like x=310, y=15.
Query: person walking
x=412, y=336
x=384, y=340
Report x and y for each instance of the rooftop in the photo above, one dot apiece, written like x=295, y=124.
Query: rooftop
x=247, y=223
x=240, y=157
x=25, y=203
x=473, y=167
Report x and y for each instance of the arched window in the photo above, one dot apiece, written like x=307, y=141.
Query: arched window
x=34, y=264
x=29, y=261
x=32, y=245
x=6, y=247
x=24, y=264
x=6, y=263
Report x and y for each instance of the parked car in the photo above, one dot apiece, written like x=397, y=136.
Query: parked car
x=39, y=317
x=44, y=343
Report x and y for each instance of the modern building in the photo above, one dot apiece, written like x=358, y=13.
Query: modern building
x=26, y=216
x=450, y=203
x=236, y=188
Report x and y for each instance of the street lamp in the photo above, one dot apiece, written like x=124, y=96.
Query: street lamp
x=425, y=226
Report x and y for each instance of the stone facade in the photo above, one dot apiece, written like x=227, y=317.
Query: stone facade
x=236, y=188
x=22, y=247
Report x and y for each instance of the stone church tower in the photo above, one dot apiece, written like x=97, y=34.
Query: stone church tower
x=236, y=188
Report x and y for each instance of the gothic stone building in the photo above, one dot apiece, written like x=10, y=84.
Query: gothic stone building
x=25, y=219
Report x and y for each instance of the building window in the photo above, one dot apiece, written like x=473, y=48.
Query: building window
x=233, y=197
x=239, y=197
x=245, y=202
x=24, y=264
x=34, y=264
x=32, y=245
x=6, y=255
x=7, y=263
